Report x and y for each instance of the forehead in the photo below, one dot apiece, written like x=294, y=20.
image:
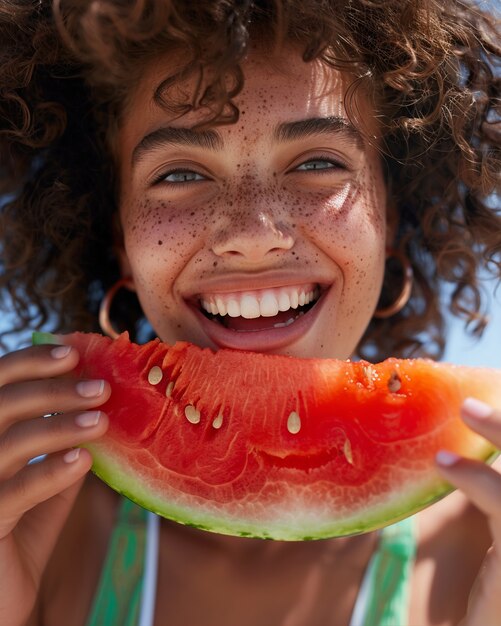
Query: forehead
x=277, y=88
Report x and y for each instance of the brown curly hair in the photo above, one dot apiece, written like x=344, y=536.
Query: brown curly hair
x=432, y=68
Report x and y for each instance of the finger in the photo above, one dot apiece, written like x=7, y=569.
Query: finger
x=25, y=400
x=29, y=439
x=37, y=362
x=38, y=482
x=483, y=419
x=480, y=482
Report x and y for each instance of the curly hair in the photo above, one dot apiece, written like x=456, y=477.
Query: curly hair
x=431, y=67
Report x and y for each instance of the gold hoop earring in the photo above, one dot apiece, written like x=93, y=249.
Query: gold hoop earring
x=405, y=293
x=105, y=306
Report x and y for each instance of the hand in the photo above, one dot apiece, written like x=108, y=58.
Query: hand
x=482, y=485
x=36, y=498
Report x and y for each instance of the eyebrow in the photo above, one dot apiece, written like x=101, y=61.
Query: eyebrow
x=212, y=140
x=333, y=125
x=167, y=135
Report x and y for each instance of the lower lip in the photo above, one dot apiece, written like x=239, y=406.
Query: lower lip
x=260, y=340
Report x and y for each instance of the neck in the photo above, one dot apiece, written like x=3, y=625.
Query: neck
x=260, y=551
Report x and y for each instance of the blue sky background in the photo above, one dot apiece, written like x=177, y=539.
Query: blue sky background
x=464, y=350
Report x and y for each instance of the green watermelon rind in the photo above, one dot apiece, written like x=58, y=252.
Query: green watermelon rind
x=430, y=491
x=39, y=338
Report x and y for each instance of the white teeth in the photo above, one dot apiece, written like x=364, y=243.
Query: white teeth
x=262, y=303
x=233, y=308
x=249, y=307
x=268, y=305
x=284, y=303
x=221, y=307
x=282, y=324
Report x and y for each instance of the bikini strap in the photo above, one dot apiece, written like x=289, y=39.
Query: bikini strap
x=118, y=597
x=388, y=576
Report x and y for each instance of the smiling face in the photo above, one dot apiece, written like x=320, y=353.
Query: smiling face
x=268, y=234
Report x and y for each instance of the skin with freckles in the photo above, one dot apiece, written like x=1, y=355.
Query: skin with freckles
x=261, y=209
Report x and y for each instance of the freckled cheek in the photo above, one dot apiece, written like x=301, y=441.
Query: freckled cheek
x=158, y=236
x=349, y=228
x=362, y=265
x=347, y=220
x=362, y=282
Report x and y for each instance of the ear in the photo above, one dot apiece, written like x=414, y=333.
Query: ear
x=120, y=252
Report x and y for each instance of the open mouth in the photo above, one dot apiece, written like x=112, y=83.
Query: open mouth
x=257, y=310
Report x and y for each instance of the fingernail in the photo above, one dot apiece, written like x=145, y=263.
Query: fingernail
x=90, y=388
x=60, y=352
x=72, y=455
x=446, y=458
x=87, y=419
x=476, y=409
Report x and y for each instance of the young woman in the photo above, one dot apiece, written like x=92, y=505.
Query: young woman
x=217, y=156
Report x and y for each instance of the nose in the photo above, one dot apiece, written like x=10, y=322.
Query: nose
x=252, y=237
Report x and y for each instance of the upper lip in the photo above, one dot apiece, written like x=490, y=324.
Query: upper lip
x=232, y=283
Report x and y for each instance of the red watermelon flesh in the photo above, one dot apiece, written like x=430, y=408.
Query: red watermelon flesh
x=277, y=447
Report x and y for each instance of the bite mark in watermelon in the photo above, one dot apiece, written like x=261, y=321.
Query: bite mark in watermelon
x=277, y=447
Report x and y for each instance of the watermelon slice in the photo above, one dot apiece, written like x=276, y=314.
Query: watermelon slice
x=273, y=446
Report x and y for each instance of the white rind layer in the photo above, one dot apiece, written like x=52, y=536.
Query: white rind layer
x=293, y=519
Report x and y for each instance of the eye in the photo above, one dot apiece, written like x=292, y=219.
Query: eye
x=315, y=165
x=182, y=176
x=179, y=177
